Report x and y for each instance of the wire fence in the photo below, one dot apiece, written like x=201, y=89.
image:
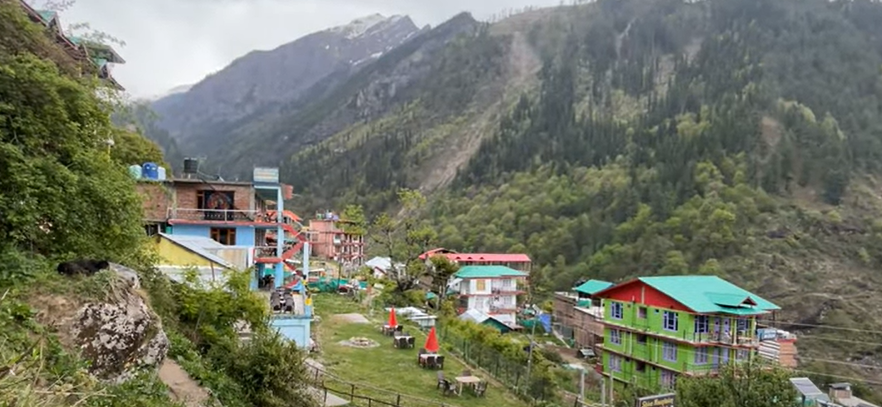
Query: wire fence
x=511, y=373
x=332, y=387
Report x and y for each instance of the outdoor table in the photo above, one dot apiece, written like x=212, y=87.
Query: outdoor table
x=424, y=358
x=399, y=336
x=466, y=380
x=387, y=329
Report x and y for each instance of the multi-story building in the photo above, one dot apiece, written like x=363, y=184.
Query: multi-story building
x=100, y=57
x=491, y=290
x=578, y=315
x=656, y=328
x=236, y=214
x=517, y=261
x=331, y=239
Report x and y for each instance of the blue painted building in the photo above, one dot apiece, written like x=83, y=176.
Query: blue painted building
x=240, y=214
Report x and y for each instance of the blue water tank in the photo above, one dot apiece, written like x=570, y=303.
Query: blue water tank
x=150, y=171
x=160, y=174
x=135, y=171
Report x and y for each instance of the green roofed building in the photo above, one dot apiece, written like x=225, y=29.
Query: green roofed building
x=656, y=328
x=98, y=56
x=491, y=290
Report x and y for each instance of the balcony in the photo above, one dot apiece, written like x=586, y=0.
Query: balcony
x=219, y=215
x=262, y=252
x=741, y=338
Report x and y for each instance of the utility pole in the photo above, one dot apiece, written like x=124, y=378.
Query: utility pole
x=603, y=392
x=582, y=384
x=530, y=355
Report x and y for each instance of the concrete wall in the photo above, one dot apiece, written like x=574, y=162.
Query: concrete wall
x=296, y=329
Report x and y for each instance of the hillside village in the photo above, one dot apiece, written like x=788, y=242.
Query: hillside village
x=231, y=280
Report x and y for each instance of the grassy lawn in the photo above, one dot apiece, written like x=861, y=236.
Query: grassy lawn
x=385, y=370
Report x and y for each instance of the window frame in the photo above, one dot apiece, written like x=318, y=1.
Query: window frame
x=671, y=316
x=216, y=233
x=616, y=306
x=699, y=352
x=698, y=324
x=615, y=336
x=669, y=351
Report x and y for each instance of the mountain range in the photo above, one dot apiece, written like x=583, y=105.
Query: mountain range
x=608, y=140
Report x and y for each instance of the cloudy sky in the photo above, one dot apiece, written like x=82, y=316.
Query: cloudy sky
x=176, y=42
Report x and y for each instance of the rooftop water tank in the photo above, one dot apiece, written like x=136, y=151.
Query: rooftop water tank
x=150, y=171
x=135, y=171
x=160, y=174
x=191, y=166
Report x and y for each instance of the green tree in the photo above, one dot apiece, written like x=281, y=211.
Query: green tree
x=354, y=220
x=404, y=239
x=751, y=384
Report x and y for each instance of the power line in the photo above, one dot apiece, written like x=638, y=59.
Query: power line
x=841, y=328
x=851, y=378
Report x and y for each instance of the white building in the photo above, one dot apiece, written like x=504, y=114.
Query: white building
x=491, y=290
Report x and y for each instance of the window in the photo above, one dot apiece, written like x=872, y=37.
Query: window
x=743, y=324
x=615, y=363
x=616, y=310
x=224, y=236
x=615, y=336
x=641, y=312
x=669, y=351
x=742, y=354
x=667, y=378
x=701, y=355
x=641, y=339
x=480, y=285
x=641, y=366
x=670, y=321
x=701, y=324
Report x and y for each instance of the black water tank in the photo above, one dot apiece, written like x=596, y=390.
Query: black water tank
x=191, y=166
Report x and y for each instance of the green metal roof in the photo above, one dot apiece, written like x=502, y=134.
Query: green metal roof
x=47, y=15
x=710, y=294
x=488, y=272
x=593, y=286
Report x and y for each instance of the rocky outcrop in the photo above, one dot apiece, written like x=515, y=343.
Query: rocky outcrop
x=119, y=335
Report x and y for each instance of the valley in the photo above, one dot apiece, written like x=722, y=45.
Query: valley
x=608, y=140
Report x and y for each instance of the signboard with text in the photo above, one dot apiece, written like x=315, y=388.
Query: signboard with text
x=267, y=175
x=660, y=400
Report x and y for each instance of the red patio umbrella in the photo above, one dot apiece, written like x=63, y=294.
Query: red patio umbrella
x=432, y=341
x=392, y=321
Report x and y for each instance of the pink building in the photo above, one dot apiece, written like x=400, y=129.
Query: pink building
x=330, y=241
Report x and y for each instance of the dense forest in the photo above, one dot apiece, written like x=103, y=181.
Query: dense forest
x=733, y=137
x=67, y=195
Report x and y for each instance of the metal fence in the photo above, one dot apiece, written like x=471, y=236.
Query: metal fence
x=330, y=387
x=511, y=373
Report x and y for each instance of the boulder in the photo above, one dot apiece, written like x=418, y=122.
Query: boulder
x=119, y=336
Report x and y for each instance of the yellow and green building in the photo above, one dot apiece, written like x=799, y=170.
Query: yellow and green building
x=657, y=328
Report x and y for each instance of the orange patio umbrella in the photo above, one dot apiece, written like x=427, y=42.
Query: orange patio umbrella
x=392, y=321
x=432, y=341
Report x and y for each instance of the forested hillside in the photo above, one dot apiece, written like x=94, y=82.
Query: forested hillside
x=734, y=137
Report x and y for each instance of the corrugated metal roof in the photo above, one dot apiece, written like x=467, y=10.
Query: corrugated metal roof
x=591, y=287
x=805, y=387
x=705, y=294
x=199, y=245
x=488, y=272
x=474, y=315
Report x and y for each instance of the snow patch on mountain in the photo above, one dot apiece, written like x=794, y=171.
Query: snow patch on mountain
x=361, y=26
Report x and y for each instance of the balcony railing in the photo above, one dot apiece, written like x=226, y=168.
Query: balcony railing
x=220, y=215
x=266, y=251
x=741, y=338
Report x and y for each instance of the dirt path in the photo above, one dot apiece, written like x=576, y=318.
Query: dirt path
x=182, y=387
